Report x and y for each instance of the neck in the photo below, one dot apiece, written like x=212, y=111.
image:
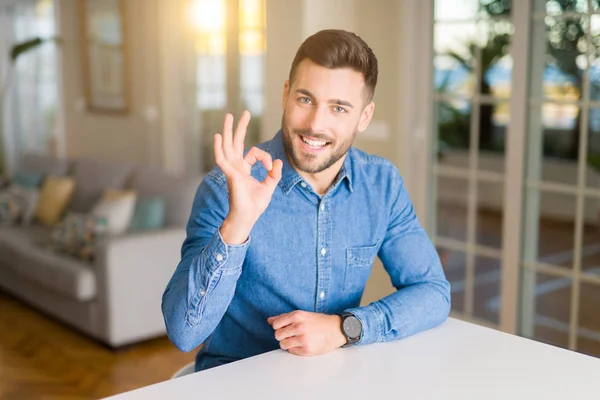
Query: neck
x=322, y=181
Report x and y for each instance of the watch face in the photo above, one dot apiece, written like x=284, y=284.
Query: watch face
x=352, y=327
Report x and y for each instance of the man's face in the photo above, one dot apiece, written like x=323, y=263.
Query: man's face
x=323, y=110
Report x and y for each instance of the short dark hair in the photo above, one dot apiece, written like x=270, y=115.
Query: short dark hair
x=336, y=48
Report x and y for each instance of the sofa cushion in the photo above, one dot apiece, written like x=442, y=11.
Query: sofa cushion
x=14, y=240
x=92, y=178
x=61, y=273
x=19, y=235
x=178, y=192
x=45, y=164
x=22, y=249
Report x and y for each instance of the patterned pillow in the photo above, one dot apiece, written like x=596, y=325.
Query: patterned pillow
x=18, y=205
x=10, y=209
x=77, y=235
x=28, y=198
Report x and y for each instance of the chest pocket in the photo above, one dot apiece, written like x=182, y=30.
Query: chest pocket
x=359, y=261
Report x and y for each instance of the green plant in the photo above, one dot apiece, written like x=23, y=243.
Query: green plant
x=566, y=44
x=491, y=52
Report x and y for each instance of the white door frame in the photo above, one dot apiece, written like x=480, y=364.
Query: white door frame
x=416, y=112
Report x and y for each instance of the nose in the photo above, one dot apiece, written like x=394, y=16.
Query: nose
x=318, y=120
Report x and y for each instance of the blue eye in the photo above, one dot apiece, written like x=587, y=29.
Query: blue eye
x=304, y=100
x=339, y=109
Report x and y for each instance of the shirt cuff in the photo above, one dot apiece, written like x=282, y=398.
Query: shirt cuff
x=220, y=255
x=372, y=321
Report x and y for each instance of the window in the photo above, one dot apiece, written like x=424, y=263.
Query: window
x=230, y=44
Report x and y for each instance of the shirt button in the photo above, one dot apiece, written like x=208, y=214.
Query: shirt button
x=322, y=295
x=202, y=293
x=303, y=184
x=323, y=251
x=323, y=207
x=219, y=257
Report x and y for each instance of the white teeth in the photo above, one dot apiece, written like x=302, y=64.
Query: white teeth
x=314, y=143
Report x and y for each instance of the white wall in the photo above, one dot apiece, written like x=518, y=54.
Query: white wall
x=131, y=137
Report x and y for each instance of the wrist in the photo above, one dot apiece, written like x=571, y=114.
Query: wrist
x=234, y=232
x=339, y=337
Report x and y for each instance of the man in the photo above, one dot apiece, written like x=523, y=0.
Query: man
x=281, y=240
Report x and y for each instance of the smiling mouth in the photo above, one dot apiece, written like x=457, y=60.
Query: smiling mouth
x=314, y=143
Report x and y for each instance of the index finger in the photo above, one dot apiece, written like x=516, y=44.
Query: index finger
x=255, y=154
x=282, y=320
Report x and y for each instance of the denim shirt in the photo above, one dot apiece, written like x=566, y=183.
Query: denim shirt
x=306, y=252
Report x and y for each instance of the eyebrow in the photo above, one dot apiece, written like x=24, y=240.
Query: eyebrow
x=339, y=102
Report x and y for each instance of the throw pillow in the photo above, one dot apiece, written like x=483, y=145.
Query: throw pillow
x=77, y=235
x=10, y=209
x=17, y=204
x=28, y=198
x=117, y=207
x=149, y=214
x=55, y=195
x=28, y=179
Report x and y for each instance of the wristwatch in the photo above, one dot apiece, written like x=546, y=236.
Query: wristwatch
x=351, y=328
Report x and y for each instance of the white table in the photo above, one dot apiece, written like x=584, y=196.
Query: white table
x=456, y=360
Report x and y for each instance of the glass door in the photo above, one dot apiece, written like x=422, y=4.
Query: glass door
x=560, y=259
x=472, y=88
x=514, y=170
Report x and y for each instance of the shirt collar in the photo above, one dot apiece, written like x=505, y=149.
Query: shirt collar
x=290, y=177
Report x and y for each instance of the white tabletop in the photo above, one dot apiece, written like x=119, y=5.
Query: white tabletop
x=456, y=360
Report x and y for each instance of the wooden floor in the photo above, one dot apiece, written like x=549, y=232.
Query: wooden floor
x=41, y=359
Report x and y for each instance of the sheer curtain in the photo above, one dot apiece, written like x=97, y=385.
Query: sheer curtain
x=30, y=107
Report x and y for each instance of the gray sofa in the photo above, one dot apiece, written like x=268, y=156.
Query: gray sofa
x=115, y=299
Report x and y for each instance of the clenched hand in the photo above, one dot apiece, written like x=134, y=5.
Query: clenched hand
x=307, y=334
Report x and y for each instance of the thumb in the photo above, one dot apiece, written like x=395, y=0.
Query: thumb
x=274, y=175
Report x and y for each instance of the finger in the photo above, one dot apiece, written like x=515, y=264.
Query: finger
x=284, y=320
x=240, y=133
x=274, y=175
x=288, y=331
x=219, y=156
x=291, y=343
x=227, y=137
x=255, y=154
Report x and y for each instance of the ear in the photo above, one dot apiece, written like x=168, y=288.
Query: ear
x=365, y=117
x=286, y=93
